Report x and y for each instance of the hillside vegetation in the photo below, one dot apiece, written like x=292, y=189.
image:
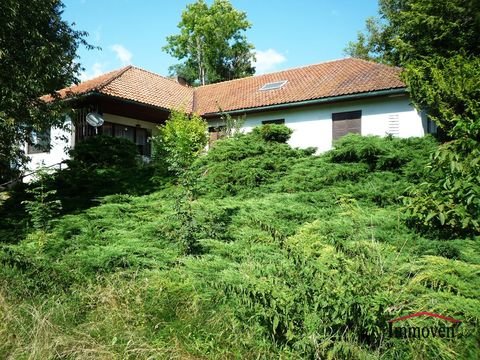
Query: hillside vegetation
x=299, y=256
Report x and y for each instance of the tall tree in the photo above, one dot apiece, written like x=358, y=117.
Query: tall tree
x=37, y=57
x=437, y=44
x=211, y=43
x=407, y=30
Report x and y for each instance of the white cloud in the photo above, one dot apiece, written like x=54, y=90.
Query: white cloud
x=96, y=70
x=122, y=53
x=268, y=60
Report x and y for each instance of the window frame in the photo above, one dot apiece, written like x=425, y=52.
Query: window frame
x=274, y=85
x=274, y=122
x=40, y=142
x=143, y=149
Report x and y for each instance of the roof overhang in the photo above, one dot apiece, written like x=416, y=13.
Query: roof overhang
x=325, y=100
x=95, y=94
x=121, y=106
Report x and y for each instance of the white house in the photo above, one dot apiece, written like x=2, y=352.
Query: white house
x=320, y=102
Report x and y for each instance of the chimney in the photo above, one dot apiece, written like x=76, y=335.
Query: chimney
x=181, y=80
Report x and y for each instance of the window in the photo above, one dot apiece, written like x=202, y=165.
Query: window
x=142, y=142
x=273, y=85
x=124, y=131
x=429, y=127
x=135, y=134
x=346, y=123
x=39, y=143
x=277, y=122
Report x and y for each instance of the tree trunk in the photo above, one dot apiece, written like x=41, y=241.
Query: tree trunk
x=201, y=67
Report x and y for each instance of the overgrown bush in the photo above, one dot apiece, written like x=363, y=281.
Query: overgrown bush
x=382, y=153
x=447, y=202
x=104, y=151
x=180, y=141
x=243, y=164
x=100, y=166
x=43, y=206
x=273, y=132
x=311, y=263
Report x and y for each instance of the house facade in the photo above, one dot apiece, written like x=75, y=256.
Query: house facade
x=319, y=102
x=320, y=125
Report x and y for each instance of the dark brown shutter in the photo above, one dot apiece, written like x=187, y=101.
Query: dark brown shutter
x=276, y=121
x=213, y=135
x=346, y=123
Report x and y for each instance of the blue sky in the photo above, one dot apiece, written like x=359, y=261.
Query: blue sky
x=285, y=33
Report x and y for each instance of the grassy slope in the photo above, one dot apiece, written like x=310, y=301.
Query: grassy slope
x=303, y=257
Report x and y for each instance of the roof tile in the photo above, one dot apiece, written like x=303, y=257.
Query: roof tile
x=324, y=80
x=328, y=79
x=135, y=84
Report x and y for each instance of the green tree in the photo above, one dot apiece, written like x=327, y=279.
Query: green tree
x=438, y=45
x=211, y=43
x=43, y=207
x=37, y=57
x=368, y=45
x=408, y=30
x=448, y=88
x=179, y=142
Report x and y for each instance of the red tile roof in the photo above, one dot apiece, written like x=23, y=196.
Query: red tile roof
x=325, y=80
x=135, y=84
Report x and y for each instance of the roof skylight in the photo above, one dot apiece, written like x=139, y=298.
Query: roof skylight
x=273, y=85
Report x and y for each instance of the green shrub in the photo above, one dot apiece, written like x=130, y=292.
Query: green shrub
x=382, y=153
x=309, y=260
x=101, y=166
x=44, y=206
x=439, y=248
x=357, y=148
x=447, y=202
x=180, y=141
x=242, y=165
x=273, y=132
x=104, y=151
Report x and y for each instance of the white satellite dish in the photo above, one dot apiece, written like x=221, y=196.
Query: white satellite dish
x=94, y=119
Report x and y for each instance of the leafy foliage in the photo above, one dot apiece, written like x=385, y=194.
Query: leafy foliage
x=180, y=141
x=419, y=29
x=232, y=125
x=273, y=132
x=449, y=197
x=212, y=42
x=309, y=264
x=240, y=165
x=37, y=57
x=100, y=166
x=43, y=208
x=448, y=89
x=381, y=153
x=437, y=43
x=104, y=151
